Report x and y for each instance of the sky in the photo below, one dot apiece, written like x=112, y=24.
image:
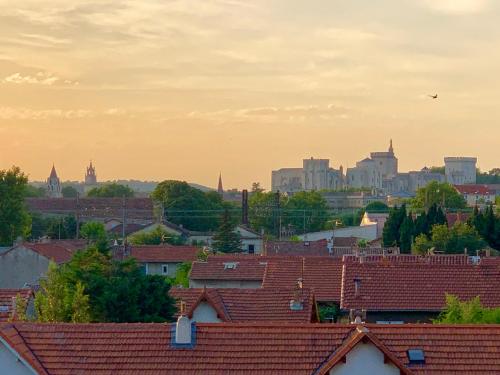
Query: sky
x=166, y=89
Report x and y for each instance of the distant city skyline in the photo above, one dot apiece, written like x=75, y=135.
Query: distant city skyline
x=152, y=89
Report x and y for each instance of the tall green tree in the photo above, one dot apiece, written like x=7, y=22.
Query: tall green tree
x=226, y=239
x=262, y=211
x=439, y=193
x=406, y=233
x=111, y=190
x=391, y=235
x=456, y=240
x=14, y=218
x=306, y=212
x=188, y=206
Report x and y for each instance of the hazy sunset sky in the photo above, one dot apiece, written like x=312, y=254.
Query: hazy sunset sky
x=187, y=89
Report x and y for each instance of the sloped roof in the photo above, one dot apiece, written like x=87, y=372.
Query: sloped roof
x=264, y=348
x=60, y=251
x=475, y=189
x=164, y=253
x=302, y=248
x=7, y=296
x=243, y=305
x=321, y=274
x=417, y=286
x=454, y=217
x=246, y=268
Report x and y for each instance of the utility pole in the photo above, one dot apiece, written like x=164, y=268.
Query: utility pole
x=77, y=214
x=124, y=218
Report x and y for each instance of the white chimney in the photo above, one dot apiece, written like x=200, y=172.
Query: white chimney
x=183, y=330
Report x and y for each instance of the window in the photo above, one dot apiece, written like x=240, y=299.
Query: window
x=416, y=356
x=164, y=269
x=251, y=249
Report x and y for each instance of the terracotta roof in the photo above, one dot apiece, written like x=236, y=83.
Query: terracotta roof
x=243, y=305
x=60, y=251
x=7, y=298
x=164, y=253
x=321, y=274
x=264, y=348
x=229, y=268
x=302, y=248
x=417, y=286
x=129, y=229
x=455, y=217
x=345, y=241
x=475, y=189
x=137, y=208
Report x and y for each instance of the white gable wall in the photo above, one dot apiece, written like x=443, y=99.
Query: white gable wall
x=9, y=364
x=205, y=313
x=365, y=359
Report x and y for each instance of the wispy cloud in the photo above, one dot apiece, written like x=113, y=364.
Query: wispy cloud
x=40, y=78
x=457, y=7
x=23, y=113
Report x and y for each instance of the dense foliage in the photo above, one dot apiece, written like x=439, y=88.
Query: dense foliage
x=467, y=312
x=401, y=228
x=94, y=287
x=442, y=194
x=52, y=227
x=194, y=209
x=34, y=192
x=155, y=237
x=226, y=239
x=488, y=226
x=302, y=212
x=14, y=219
x=491, y=177
x=376, y=207
x=111, y=190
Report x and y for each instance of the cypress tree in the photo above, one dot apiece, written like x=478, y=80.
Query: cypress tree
x=226, y=240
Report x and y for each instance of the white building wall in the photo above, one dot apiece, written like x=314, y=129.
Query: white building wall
x=365, y=359
x=460, y=170
x=10, y=365
x=367, y=232
x=205, y=313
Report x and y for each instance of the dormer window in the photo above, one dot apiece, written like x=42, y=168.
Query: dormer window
x=416, y=356
x=230, y=265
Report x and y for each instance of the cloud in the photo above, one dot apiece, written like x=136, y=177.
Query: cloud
x=40, y=78
x=23, y=113
x=347, y=35
x=457, y=7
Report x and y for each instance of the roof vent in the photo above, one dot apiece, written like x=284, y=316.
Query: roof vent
x=230, y=265
x=416, y=356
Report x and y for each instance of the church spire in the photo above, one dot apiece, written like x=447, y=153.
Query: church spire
x=391, y=150
x=220, y=189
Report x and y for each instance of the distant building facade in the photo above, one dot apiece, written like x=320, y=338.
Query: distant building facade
x=315, y=174
x=460, y=170
x=54, y=184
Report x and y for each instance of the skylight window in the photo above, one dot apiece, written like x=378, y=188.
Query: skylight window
x=416, y=356
x=4, y=308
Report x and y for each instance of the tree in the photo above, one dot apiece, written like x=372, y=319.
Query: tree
x=391, y=233
x=421, y=245
x=155, y=237
x=262, y=211
x=226, y=239
x=34, y=192
x=467, y=312
x=307, y=211
x=111, y=190
x=456, y=240
x=182, y=275
x=406, y=234
x=188, y=206
x=376, y=207
x=440, y=194
x=256, y=188
x=93, y=231
x=114, y=291
x=69, y=192
x=56, y=301
x=14, y=218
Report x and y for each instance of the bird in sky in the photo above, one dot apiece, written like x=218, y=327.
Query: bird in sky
x=433, y=96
